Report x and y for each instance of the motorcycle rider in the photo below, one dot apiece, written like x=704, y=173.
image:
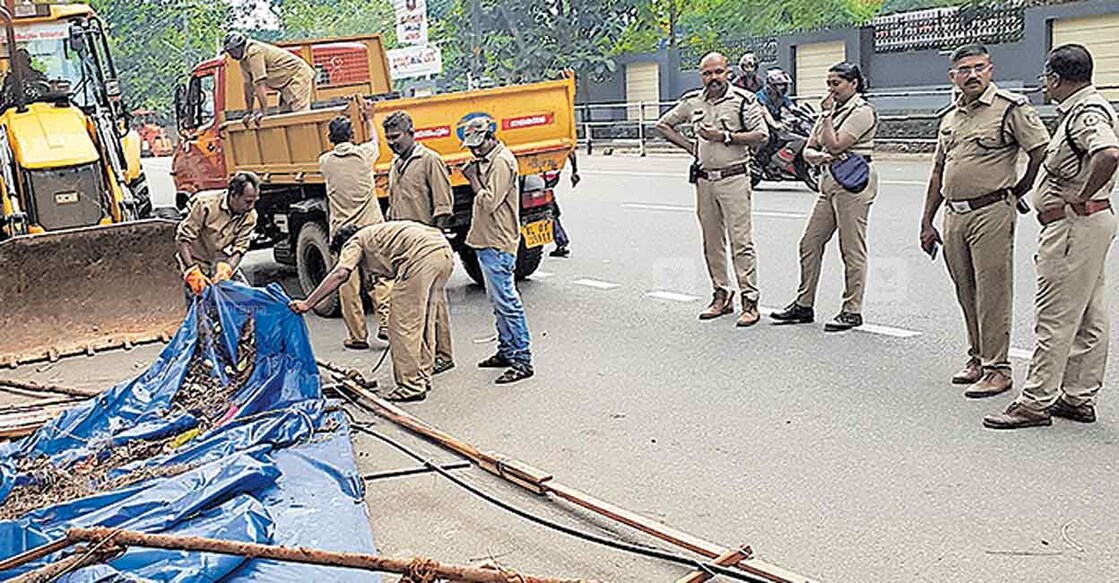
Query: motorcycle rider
x=777, y=107
x=748, y=77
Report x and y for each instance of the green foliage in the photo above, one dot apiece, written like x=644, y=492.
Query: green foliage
x=302, y=19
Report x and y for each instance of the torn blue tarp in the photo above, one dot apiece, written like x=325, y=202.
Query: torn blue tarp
x=277, y=469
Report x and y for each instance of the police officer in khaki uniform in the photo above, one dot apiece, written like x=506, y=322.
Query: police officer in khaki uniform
x=846, y=127
x=266, y=66
x=352, y=199
x=216, y=233
x=1078, y=226
x=727, y=121
x=420, y=190
x=418, y=259
x=974, y=175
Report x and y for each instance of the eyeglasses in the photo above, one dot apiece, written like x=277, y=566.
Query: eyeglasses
x=967, y=71
x=1044, y=76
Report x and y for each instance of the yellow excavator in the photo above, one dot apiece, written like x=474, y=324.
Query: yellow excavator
x=84, y=266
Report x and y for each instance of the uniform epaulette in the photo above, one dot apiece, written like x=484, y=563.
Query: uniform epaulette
x=1015, y=98
x=692, y=93
x=944, y=110
x=747, y=95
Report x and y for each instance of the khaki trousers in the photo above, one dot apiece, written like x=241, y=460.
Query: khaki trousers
x=1072, y=323
x=443, y=348
x=418, y=300
x=837, y=209
x=353, y=312
x=296, y=95
x=723, y=207
x=979, y=251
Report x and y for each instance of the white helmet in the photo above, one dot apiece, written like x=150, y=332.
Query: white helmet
x=777, y=77
x=748, y=62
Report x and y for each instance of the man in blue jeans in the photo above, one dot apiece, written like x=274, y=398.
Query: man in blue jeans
x=495, y=232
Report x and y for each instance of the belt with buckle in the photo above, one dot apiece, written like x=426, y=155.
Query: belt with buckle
x=974, y=204
x=1084, y=209
x=721, y=173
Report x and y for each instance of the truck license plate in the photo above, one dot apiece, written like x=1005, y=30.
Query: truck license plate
x=538, y=233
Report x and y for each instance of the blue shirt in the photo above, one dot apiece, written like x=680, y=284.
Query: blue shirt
x=774, y=108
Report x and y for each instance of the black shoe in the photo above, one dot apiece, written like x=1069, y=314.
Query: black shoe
x=442, y=365
x=518, y=372
x=1082, y=414
x=409, y=399
x=560, y=252
x=383, y=334
x=844, y=321
x=495, y=361
x=794, y=313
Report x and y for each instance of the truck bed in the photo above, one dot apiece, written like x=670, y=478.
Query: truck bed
x=536, y=121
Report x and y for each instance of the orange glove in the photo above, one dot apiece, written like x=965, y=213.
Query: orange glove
x=196, y=280
x=222, y=271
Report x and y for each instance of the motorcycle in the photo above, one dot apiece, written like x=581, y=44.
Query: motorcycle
x=787, y=163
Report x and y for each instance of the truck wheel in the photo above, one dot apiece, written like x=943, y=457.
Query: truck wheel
x=470, y=263
x=313, y=262
x=527, y=261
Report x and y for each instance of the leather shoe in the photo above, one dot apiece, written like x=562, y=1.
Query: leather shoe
x=794, y=313
x=1018, y=416
x=356, y=344
x=721, y=305
x=970, y=374
x=843, y=322
x=1085, y=413
x=383, y=333
x=750, y=315
x=495, y=361
x=994, y=382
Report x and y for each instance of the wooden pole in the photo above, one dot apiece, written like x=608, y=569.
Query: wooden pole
x=541, y=482
x=41, y=388
x=726, y=559
x=304, y=555
x=81, y=558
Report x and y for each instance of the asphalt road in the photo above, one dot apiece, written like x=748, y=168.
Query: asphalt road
x=846, y=457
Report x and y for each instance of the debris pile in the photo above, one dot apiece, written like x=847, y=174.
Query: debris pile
x=201, y=394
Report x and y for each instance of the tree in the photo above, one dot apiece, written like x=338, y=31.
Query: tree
x=300, y=19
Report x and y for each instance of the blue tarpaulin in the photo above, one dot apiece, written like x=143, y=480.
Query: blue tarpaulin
x=280, y=470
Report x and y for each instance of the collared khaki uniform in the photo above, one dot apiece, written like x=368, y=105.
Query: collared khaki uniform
x=839, y=209
x=420, y=190
x=978, y=145
x=723, y=206
x=352, y=198
x=496, y=221
x=1072, y=321
x=418, y=259
x=281, y=70
x=214, y=232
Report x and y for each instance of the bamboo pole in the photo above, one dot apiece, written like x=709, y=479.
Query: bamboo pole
x=41, y=388
x=304, y=555
x=80, y=559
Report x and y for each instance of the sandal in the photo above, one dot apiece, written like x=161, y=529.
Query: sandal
x=517, y=372
x=442, y=365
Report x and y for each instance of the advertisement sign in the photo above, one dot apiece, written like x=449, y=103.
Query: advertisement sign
x=411, y=21
x=415, y=62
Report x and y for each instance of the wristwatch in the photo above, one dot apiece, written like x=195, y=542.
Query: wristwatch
x=726, y=138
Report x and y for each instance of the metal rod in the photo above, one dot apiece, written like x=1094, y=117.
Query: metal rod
x=417, y=566
x=414, y=471
x=641, y=129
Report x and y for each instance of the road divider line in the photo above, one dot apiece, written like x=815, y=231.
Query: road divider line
x=671, y=296
x=888, y=331
x=594, y=283
x=1021, y=354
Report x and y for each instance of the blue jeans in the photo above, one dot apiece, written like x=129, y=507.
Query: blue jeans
x=512, y=329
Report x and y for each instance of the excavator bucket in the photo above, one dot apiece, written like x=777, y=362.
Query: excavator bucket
x=83, y=290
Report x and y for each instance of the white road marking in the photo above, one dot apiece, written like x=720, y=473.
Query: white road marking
x=594, y=283
x=486, y=340
x=888, y=331
x=541, y=274
x=1021, y=354
x=643, y=206
x=682, y=174
x=671, y=296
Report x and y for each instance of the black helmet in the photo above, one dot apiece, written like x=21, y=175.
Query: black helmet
x=235, y=41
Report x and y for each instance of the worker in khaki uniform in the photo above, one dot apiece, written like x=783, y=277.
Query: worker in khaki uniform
x=975, y=175
x=846, y=127
x=420, y=190
x=727, y=121
x=352, y=198
x=1077, y=228
x=216, y=233
x=267, y=66
x=418, y=259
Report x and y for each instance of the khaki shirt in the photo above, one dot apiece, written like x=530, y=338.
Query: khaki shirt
x=273, y=65
x=419, y=187
x=496, y=218
x=736, y=111
x=213, y=231
x=857, y=118
x=387, y=249
x=1091, y=129
x=350, y=191
x=978, y=143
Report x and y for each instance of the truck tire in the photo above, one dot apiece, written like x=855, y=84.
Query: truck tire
x=313, y=262
x=527, y=262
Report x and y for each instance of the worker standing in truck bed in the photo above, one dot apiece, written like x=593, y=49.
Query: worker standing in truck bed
x=267, y=66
